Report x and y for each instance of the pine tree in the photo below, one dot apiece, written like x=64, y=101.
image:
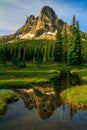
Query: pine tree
x=65, y=42
x=3, y=55
x=23, y=61
x=78, y=46
x=58, y=46
x=74, y=46
x=73, y=22
x=21, y=57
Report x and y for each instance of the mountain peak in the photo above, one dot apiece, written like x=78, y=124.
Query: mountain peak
x=44, y=26
x=48, y=12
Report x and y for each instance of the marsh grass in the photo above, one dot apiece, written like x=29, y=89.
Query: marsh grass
x=13, y=77
x=5, y=98
x=76, y=96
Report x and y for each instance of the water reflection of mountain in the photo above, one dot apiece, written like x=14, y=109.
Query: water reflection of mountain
x=45, y=103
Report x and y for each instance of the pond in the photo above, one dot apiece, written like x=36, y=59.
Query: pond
x=42, y=109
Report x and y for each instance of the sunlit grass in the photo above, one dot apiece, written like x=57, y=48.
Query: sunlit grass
x=5, y=98
x=21, y=83
x=25, y=77
x=82, y=72
x=76, y=96
x=32, y=80
x=12, y=77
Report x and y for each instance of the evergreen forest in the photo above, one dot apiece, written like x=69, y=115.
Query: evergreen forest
x=68, y=48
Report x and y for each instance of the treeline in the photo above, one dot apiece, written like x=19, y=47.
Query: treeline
x=69, y=48
x=39, y=51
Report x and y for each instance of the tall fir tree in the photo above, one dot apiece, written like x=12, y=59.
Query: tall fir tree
x=24, y=56
x=3, y=54
x=74, y=47
x=78, y=45
x=73, y=22
x=21, y=57
x=58, y=49
x=65, y=42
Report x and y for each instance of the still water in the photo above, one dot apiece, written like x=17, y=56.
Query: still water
x=37, y=110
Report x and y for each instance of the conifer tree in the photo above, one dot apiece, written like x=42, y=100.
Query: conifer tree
x=58, y=46
x=78, y=46
x=21, y=57
x=74, y=47
x=65, y=42
x=2, y=55
x=23, y=61
x=73, y=22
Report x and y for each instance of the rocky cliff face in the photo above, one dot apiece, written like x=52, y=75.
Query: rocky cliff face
x=42, y=26
x=27, y=26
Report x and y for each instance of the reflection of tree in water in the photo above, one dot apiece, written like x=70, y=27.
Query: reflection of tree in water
x=72, y=112
x=44, y=103
x=65, y=79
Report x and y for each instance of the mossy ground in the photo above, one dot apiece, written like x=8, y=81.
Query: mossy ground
x=5, y=98
x=76, y=96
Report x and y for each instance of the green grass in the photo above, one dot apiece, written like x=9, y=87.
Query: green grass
x=5, y=98
x=26, y=77
x=12, y=77
x=22, y=83
x=76, y=96
x=82, y=72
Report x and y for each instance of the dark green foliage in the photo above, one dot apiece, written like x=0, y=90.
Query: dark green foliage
x=20, y=52
x=3, y=54
x=74, y=46
x=67, y=48
x=78, y=45
x=84, y=51
x=73, y=23
x=58, y=48
x=65, y=43
x=21, y=57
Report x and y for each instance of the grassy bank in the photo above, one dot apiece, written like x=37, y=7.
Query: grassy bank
x=76, y=96
x=5, y=98
x=12, y=77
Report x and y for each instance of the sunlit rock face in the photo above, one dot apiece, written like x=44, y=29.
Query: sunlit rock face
x=45, y=25
x=44, y=102
x=27, y=26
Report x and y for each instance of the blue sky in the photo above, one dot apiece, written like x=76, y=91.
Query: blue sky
x=13, y=13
